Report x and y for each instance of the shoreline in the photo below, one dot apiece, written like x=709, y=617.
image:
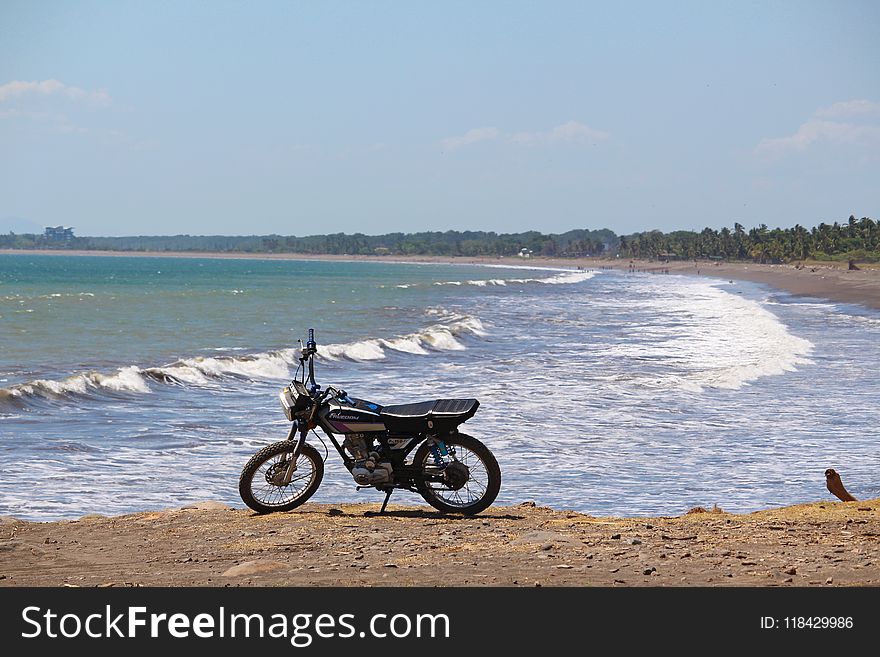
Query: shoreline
x=210, y=544
x=832, y=281
x=819, y=281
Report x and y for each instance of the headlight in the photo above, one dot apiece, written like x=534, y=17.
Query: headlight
x=287, y=402
x=294, y=399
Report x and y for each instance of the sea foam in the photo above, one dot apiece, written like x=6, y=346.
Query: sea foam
x=715, y=338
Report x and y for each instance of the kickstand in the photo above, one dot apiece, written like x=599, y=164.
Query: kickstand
x=385, y=503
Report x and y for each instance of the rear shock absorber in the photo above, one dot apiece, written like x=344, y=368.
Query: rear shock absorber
x=438, y=449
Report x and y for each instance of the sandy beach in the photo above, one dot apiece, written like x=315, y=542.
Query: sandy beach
x=820, y=544
x=820, y=280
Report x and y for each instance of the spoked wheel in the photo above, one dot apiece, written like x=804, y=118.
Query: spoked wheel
x=261, y=483
x=467, y=480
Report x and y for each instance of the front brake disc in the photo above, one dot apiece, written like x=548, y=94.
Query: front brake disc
x=275, y=473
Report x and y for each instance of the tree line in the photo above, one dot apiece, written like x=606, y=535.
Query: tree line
x=855, y=239
x=573, y=243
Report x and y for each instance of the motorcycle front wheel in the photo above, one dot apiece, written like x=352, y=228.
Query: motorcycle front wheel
x=469, y=489
x=260, y=482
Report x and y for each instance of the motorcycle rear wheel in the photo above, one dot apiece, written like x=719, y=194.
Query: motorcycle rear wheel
x=481, y=487
x=262, y=495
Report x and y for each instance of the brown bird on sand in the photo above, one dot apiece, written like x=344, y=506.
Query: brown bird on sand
x=835, y=486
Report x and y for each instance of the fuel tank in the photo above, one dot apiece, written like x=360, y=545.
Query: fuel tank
x=352, y=416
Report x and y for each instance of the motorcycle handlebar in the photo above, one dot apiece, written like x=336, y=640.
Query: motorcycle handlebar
x=310, y=351
x=311, y=346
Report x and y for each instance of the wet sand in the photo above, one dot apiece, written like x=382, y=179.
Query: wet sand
x=820, y=544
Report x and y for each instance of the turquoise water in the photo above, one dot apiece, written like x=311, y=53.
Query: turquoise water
x=61, y=314
x=131, y=383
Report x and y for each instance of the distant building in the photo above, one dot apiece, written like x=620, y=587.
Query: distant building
x=525, y=253
x=58, y=234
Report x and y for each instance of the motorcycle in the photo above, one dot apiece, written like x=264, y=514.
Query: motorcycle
x=416, y=447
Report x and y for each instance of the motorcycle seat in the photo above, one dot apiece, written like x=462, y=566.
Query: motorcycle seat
x=437, y=416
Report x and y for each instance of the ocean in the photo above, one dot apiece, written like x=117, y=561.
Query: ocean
x=138, y=383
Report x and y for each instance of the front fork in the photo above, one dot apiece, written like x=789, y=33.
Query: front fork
x=297, y=448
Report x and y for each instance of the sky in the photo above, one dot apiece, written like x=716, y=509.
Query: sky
x=299, y=118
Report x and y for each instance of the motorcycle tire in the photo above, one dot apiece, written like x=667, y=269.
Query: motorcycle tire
x=260, y=468
x=448, y=499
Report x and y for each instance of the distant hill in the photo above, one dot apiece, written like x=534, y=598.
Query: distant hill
x=19, y=225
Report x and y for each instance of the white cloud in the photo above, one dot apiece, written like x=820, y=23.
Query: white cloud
x=61, y=118
x=572, y=132
x=20, y=88
x=819, y=128
x=567, y=132
x=470, y=137
x=815, y=130
x=850, y=108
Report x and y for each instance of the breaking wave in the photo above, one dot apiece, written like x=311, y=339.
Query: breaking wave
x=439, y=337
x=565, y=277
x=126, y=379
x=208, y=371
x=720, y=340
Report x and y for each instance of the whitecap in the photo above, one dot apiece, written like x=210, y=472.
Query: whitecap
x=128, y=379
x=440, y=337
x=360, y=350
x=406, y=344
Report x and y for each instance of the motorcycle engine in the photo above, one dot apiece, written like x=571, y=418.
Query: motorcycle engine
x=368, y=470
